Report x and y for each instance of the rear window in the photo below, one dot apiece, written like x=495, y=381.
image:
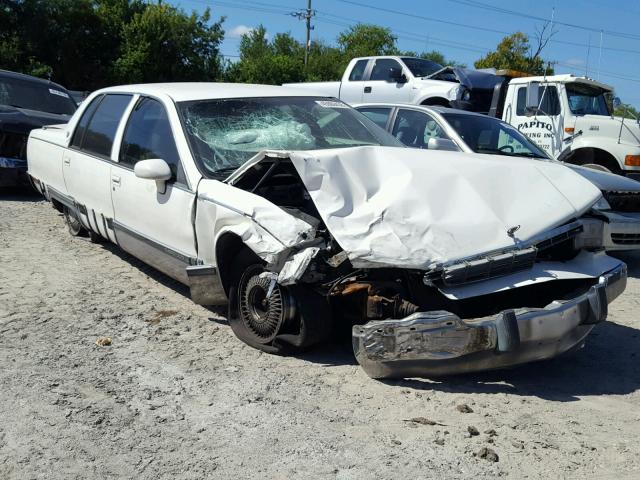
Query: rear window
x=33, y=95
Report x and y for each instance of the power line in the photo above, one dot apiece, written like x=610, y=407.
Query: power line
x=306, y=15
x=493, y=8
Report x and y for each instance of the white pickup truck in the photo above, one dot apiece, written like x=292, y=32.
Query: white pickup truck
x=398, y=79
x=299, y=212
x=569, y=117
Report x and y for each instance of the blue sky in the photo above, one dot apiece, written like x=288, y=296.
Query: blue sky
x=431, y=25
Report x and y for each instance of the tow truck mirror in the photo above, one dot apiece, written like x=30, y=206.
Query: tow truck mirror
x=533, y=97
x=616, y=102
x=396, y=75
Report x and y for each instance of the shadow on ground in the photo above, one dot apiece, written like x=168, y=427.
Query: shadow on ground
x=20, y=194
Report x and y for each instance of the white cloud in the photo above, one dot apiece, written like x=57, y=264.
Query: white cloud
x=239, y=30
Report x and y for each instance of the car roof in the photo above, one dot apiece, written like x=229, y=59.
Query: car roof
x=434, y=108
x=29, y=78
x=189, y=91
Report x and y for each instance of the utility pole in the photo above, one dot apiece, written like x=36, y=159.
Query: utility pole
x=306, y=15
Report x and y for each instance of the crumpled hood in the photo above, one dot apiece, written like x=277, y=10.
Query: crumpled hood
x=412, y=208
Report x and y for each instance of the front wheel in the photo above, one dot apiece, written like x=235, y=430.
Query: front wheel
x=274, y=318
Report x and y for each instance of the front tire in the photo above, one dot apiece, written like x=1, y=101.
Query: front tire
x=290, y=320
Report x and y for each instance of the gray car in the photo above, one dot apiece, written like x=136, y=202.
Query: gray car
x=442, y=128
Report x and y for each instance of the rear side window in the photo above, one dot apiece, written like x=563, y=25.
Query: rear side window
x=378, y=115
x=76, y=141
x=549, y=104
x=148, y=135
x=357, y=73
x=98, y=138
x=382, y=69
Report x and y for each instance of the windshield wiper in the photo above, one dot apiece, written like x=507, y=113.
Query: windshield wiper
x=526, y=154
x=223, y=172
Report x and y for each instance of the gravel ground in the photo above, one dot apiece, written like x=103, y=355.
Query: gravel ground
x=176, y=395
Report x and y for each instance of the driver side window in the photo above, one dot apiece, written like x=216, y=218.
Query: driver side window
x=148, y=135
x=414, y=128
x=382, y=69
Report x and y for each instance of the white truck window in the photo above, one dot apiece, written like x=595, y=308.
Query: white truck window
x=98, y=139
x=549, y=104
x=357, y=73
x=382, y=69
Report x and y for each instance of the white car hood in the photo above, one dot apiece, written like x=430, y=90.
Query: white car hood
x=411, y=208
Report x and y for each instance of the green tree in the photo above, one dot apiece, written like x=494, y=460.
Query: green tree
x=162, y=43
x=363, y=40
x=627, y=111
x=514, y=52
x=435, y=56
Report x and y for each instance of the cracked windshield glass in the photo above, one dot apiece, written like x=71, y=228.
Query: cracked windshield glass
x=224, y=134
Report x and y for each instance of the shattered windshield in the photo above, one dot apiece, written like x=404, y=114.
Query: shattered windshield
x=586, y=100
x=488, y=135
x=420, y=67
x=226, y=133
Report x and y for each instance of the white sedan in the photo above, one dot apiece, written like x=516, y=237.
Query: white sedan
x=299, y=212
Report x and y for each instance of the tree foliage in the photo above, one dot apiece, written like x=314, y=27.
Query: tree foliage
x=514, y=52
x=88, y=44
x=627, y=111
x=363, y=40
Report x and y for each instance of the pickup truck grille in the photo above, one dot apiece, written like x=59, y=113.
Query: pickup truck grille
x=13, y=145
x=623, y=201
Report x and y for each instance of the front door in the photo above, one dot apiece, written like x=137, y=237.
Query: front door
x=152, y=223
x=382, y=87
x=544, y=127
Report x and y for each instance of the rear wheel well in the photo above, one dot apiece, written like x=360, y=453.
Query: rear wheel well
x=228, y=247
x=436, y=101
x=595, y=156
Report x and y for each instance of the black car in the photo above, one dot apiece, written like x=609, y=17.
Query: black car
x=26, y=103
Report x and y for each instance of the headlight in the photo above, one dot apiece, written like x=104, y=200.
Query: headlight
x=601, y=204
x=466, y=95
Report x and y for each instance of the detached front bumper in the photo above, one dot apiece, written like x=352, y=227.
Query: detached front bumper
x=440, y=343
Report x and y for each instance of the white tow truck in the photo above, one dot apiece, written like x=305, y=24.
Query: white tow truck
x=570, y=118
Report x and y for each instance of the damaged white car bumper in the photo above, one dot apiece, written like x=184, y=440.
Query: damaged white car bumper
x=440, y=343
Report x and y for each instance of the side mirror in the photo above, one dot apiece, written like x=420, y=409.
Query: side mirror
x=533, y=97
x=442, y=144
x=617, y=102
x=396, y=75
x=154, y=169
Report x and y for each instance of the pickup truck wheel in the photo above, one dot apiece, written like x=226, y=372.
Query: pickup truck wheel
x=73, y=223
x=276, y=323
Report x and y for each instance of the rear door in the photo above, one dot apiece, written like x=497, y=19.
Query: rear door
x=382, y=87
x=152, y=225
x=86, y=164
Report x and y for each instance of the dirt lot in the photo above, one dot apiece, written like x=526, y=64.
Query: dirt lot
x=177, y=396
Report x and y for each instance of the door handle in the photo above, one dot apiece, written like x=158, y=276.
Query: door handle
x=66, y=160
x=367, y=89
x=115, y=179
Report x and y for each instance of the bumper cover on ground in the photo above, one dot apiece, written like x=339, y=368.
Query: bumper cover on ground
x=440, y=343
